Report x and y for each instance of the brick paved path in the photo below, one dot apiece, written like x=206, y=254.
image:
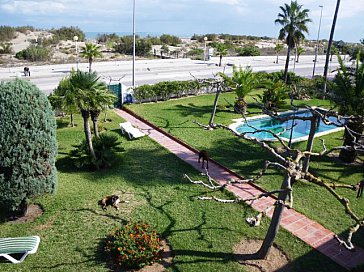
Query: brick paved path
x=299, y=225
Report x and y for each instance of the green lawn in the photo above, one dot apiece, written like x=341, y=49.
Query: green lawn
x=176, y=116
x=202, y=234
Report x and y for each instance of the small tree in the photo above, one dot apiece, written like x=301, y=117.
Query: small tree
x=221, y=50
x=241, y=82
x=300, y=50
x=90, y=51
x=278, y=48
x=64, y=99
x=28, y=146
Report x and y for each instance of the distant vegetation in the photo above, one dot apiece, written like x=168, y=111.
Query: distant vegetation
x=170, y=39
x=227, y=37
x=34, y=53
x=7, y=33
x=67, y=33
x=125, y=46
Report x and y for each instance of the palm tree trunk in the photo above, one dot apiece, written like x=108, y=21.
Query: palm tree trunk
x=287, y=64
x=329, y=45
x=95, y=119
x=349, y=155
x=89, y=64
x=274, y=225
x=86, y=115
x=72, y=121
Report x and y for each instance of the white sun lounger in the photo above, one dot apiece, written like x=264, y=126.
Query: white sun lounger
x=19, y=245
x=132, y=132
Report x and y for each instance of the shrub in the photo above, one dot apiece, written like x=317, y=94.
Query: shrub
x=28, y=146
x=292, y=78
x=133, y=245
x=166, y=89
x=106, y=147
x=125, y=46
x=34, y=53
x=5, y=48
x=170, y=39
x=7, y=33
x=248, y=50
x=24, y=29
x=67, y=33
x=274, y=95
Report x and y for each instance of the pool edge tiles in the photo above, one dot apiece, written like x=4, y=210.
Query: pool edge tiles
x=240, y=121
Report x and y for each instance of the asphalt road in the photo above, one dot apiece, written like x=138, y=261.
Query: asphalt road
x=47, y=77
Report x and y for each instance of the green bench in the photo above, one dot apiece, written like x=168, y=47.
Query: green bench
x=19, y=245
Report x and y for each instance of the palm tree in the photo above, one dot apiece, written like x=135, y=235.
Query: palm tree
x=64, y=99
x=329, y=45
x=348, y=96
x=293, y=20
x=278, y=48
x=300, y=50
x=221, y=50
x=242, y=82
x=91, y=95
x=90, y=51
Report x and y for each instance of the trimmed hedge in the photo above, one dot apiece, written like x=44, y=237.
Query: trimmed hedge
x=169, y=89
x=28, y=146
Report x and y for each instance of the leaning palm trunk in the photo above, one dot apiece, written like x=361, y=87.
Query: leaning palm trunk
x=349, y=155
x=287, y=64
x=87, y=130
x=95, y=119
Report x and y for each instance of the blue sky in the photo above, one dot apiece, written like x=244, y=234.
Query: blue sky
x=181, y=17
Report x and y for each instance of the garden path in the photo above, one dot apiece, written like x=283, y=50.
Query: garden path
x=299, y=225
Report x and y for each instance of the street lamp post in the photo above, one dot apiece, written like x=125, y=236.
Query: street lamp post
x=133, y=77
x=75, y=38
x=317, y=44
x=205, y=54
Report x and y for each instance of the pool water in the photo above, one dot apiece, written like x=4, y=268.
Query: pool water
x=300, y=131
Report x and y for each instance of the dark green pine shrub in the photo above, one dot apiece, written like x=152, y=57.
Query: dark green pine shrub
x=28, y=146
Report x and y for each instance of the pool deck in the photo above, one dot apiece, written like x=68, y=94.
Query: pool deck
x=309, y=231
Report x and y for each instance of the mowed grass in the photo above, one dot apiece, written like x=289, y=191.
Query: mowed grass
x=202, y=234
x=246, y=158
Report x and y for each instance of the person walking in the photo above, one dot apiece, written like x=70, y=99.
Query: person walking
x=361, y=187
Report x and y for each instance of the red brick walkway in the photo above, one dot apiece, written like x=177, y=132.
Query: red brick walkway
x=299, y=225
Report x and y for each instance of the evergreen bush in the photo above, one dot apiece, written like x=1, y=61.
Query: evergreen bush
x=34, y=53
x=28, y=146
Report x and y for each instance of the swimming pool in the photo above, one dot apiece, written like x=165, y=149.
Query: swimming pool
x=300, y=131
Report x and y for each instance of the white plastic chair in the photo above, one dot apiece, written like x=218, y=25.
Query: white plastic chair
x=19, y=245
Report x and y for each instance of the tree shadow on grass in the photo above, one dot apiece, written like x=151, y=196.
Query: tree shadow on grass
x=192, y=110
x=62, y=123
x=334, y=166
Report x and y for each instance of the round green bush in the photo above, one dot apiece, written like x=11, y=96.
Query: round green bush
x=28, y=146
x=133, y=245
